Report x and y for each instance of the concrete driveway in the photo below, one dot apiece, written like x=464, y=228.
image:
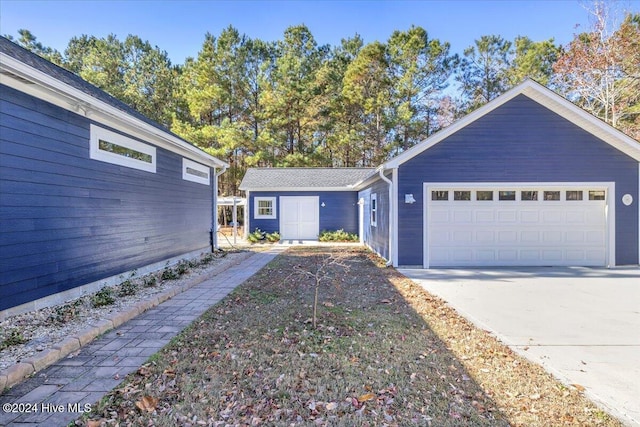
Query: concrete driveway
x=581, y=324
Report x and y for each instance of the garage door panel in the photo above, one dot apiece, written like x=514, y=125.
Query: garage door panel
x=507, y=216
x=485, y=216
x=440, y=216
x=552, y=236
x=516, y=232
x=462, y=217
x=553, y=216
x=575, y=217
x=484, y=236
x=530, y=216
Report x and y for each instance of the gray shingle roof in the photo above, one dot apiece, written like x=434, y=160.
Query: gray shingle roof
x=303, y=178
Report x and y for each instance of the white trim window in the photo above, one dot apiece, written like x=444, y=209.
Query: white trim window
x=111, y=147
x=195, y=172
x=374, y=210
x=264, y=207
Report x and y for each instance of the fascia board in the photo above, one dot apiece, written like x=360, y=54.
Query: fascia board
x=52, y=90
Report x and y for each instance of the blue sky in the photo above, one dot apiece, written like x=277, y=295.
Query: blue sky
x=178, y=27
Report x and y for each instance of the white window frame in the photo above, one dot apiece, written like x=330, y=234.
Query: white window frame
x=374, y=209
x=97, y=134
x=187, y=176
x=256, y=210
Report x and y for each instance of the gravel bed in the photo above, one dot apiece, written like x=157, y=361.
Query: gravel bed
x=44, y=328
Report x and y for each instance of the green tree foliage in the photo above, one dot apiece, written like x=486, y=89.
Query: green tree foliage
x=493, y=65
x=419, y=69
x=289, y=96
x=30, y=42
x=131, y=70
x=484, y=70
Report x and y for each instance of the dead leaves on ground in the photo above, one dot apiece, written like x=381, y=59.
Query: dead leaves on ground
x=374, y=360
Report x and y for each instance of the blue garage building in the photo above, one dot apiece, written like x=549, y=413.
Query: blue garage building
x=529, y=179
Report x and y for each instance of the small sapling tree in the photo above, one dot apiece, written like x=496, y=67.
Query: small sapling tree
x=324, y=268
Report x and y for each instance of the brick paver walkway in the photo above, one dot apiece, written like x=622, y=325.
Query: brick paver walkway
x=60, y=393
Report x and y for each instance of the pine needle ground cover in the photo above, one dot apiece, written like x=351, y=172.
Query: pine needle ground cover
x=383, y=352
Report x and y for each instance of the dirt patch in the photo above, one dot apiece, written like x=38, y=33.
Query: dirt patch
x=384, y=352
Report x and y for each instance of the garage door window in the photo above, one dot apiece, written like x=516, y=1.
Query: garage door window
x=462, y=195
x=596, y=195
x=507, y=195
x=529, y=195
x=484, y=195
x=574, y=195
x=265, y=208
x=552, y=195
x=439, y=195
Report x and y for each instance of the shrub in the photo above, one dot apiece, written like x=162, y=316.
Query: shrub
x=273, y=237
x=150, y=281
x=182, y=268
x=13, y=337
x=103, y=297
x=66, y=312
x=127, y=288
x=169, y=274
x=257, y=236
x=337, y=236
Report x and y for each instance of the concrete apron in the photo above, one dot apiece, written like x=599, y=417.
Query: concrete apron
x=581, y=324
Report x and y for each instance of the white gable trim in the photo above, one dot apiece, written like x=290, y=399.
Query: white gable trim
x=544, y=97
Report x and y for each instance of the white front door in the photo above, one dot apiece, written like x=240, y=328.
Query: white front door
x=512, y=225
x=299, y=217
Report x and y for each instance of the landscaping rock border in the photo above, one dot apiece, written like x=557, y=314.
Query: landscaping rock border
x=16, y=373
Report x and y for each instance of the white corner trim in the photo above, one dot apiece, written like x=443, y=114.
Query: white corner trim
x=98, y=134
x=394, y=214
x=195, y=172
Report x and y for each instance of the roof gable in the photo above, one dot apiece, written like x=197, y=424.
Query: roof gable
x=544, y=97
x=303, y=179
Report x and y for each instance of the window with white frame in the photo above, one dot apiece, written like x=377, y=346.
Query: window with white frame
x=112, y=147
x=264, y=207
x=374, y=210
x=195, y=172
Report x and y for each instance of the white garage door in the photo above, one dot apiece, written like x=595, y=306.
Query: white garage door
x=299, y=217
x=516, y=226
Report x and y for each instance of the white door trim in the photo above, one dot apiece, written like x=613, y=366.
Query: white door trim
x=610, y=212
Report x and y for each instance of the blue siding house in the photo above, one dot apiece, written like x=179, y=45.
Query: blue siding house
x=529, y=179
x=89, y=188
x=301, y=202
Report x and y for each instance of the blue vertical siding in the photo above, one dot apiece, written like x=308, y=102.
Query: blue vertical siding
x=67, y=220
x=377, y=237
x=520, y=141
x=340, y=210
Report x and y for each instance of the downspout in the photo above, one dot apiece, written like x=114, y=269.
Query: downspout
x=391, y=222
x=214, y=210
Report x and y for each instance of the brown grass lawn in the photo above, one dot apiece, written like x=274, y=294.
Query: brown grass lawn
x=384, y=352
